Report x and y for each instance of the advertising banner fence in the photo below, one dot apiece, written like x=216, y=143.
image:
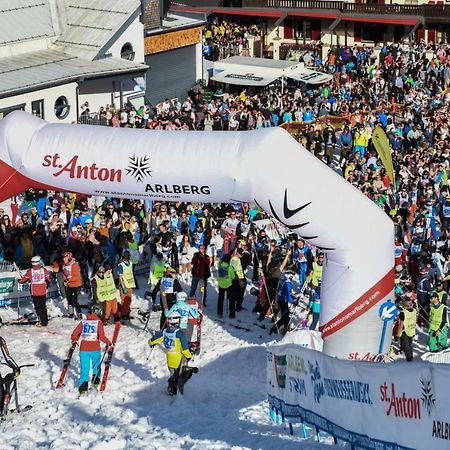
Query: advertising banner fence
x=12, y=293
x=373, y=406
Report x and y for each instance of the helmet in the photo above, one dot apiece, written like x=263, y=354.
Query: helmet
x=169, y=270
x=35, y=259
x=174, y=319
x=181, y=296
x=95, y=309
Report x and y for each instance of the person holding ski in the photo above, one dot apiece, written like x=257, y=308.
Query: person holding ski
x=176, y=348
x=126, y=284
x=39, y=277
x=285, y=298
x=91, y=332
x=185, y=311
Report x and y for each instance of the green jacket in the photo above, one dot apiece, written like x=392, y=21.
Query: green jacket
x=226, y=275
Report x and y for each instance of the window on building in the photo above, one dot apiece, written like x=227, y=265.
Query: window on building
x=5, y=111
x=62, y=107
x=127, y=52
x=303, y=29
x=37, y=108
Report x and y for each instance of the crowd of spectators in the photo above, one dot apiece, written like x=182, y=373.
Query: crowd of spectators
x=222, y=39
x=404, y=89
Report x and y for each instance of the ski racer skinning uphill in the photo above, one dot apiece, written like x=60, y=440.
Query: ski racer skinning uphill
x=177, y=350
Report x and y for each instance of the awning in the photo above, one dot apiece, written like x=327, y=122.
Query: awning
x=244, y=79
x=384, y=19
x=307, y=75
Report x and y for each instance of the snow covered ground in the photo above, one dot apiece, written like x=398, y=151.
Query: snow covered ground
x=224, y=406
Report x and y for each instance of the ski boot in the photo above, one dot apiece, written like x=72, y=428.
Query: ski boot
x=95, y=382
x=194, y=348
x=83, y=389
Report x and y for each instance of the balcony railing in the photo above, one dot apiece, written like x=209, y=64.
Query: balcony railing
x=425, y=10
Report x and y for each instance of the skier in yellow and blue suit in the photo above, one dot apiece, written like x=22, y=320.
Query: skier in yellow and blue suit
x=177, y=349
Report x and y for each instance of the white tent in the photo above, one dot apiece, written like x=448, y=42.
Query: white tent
x=247, y=71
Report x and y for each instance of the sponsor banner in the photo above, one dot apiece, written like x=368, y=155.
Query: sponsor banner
x=387, y=406
x=12, y=293
x=7, y=285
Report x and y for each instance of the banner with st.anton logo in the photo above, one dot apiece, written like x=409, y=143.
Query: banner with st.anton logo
x=384, y=406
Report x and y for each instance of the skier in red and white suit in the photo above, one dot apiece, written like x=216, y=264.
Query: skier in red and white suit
x=39, y=277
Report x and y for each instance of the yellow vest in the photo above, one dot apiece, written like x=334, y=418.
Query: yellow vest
x=436, y=317
x=316, y=274
x=127, y=275
x=237, y=266
x=103, y=289
x=410, y=322
x=440, y=295
x=112, y=290
x=157, y=271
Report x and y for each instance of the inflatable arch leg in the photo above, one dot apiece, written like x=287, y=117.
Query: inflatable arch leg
x=266, y=166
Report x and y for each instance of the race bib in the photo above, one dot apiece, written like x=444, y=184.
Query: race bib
x=89, y=332
x=169, y=339
x=37, y=276
x=167, y=285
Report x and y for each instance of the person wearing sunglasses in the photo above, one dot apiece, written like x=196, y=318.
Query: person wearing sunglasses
x=105, y=293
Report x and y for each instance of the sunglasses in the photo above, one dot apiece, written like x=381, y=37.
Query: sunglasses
x=103, y=224
x=101, y=271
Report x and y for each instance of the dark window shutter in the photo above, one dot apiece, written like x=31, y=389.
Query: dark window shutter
x=288, y=29
x=357, y=32
x=316, y=29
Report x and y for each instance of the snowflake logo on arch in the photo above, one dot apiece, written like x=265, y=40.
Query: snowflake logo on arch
x=139, y=167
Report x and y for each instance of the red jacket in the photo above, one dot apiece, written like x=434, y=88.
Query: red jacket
x=92, y=332
x=39, y=278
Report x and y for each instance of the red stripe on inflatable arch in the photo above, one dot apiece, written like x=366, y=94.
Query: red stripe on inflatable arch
x=360, y=306
x=13, y=183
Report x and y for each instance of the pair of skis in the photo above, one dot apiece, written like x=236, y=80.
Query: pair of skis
x=108, y=359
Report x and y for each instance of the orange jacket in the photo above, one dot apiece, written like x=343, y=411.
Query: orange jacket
x=72, y=274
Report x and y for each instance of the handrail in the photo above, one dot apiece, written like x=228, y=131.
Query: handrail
x=426, y=10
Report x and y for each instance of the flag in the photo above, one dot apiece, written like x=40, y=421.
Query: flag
x=381, y=143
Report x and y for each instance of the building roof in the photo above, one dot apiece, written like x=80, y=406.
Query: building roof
x=91, y=26
x=47, y=68
x=22, y=20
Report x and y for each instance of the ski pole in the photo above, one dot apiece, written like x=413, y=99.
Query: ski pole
x=267, y=291
x=101, y=361
x=150, y=353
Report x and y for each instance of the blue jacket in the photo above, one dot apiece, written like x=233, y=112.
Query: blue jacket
x=184, y=310
x=285, y=294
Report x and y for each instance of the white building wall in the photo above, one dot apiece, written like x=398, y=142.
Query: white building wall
x=134, y=34
x=49, y=96
x=198, y=61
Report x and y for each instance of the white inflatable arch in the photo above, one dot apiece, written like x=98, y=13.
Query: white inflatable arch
x=266, y=166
